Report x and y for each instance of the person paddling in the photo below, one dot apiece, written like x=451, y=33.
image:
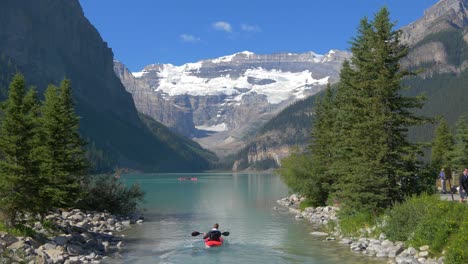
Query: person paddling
x=214, y=234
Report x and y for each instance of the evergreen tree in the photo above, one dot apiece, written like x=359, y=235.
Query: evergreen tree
x=19, y=181
x=62, y=158
x=321, y=150
x=295, y=171
x=75, y=162
x=459, y=156
x=442, y=146
x=374, y=154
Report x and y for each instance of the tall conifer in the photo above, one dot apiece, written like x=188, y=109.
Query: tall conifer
x=18, y=168
x=459, y=156
x=63, y=161
x=442, y=146
x=321, y=149
x=373, y=120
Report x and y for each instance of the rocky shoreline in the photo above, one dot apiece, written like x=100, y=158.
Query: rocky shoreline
x=71, y=237
x=381, y=247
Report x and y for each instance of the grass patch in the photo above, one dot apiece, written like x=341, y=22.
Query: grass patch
x=306, y=203
x=18, y=230
x=457, y=251
x=352, y=225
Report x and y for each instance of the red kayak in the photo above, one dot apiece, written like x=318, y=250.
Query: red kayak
x=214, y=243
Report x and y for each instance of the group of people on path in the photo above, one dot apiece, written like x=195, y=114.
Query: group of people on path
x=463, y=182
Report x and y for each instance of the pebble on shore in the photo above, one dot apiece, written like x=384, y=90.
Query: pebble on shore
x=80, y=238
x=380, y=248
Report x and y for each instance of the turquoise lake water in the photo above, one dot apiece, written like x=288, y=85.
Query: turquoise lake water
x=243, y=204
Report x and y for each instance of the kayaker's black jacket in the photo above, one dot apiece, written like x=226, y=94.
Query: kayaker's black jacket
x=213, y=234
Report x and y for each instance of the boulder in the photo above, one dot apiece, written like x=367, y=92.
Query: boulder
x=75, y=250
x=319, y=234
x=17, y=245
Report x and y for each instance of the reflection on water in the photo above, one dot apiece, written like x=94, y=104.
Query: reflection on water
x=242, y=204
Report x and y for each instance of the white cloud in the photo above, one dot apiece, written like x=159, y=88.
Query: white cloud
x=189, y=38
x=250, y=28
x=223, y=26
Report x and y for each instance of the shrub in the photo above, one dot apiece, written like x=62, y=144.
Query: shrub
x=351, y=225
x=438, y=225
x=107, y=193
x=457, y=251
x=404, y=217
x=306, y=203
x=18, y=230
x=426, y=220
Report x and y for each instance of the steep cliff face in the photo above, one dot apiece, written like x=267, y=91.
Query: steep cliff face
x=49, y=40
x=223, y=101
x=172, y=114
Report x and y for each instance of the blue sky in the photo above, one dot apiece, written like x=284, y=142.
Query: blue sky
x=142, y=32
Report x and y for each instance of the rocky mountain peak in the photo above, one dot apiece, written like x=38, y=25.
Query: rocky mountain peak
x=444, y=15
x=221, y=100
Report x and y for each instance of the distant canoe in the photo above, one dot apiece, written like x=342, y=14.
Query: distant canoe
x=188, y=179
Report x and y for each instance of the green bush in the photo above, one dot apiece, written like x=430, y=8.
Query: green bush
x=438, y=225
x=351, y=225
x=18, y=230
x=403, y=218
x=107, y=193
x=457, y=251
x=306, y=203
x=426, y=220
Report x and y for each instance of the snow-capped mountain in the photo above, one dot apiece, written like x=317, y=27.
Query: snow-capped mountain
x=221, y=100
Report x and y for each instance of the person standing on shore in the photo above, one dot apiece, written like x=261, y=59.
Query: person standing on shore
x=442, y=180
x=463, y=185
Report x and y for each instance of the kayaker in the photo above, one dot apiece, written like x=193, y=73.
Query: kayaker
x=214, y=234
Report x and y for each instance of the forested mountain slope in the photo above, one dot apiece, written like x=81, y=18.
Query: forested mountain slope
x=49, y=40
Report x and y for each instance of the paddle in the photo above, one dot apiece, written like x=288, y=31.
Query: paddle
x=196, y=233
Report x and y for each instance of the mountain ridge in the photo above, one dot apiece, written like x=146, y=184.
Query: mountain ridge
x=221, y=101
x=48, y=40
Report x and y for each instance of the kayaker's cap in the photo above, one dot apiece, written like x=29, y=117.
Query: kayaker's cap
x=216, y=225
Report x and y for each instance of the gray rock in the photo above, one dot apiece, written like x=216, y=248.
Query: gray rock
x=346, y=241
x=120, y=245
x=382, y=236
x=54, y=254
x=77, y=217
x=47, y=246
x=424, y=248
x=318, y=234
x=75, y=250
x=74, y=260
x=61, y=240
x=8, y=239
x=395, y=251
x=387, y=244
x=17, y=245
x=423, y=254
